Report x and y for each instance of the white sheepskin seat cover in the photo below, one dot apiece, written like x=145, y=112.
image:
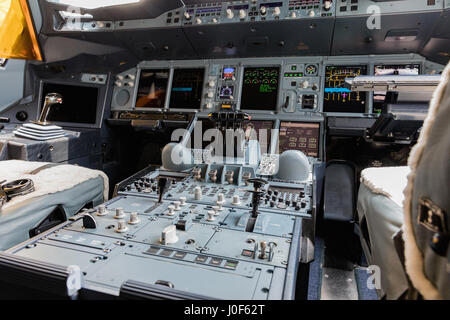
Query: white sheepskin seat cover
x=55, y=179
x=439, y=108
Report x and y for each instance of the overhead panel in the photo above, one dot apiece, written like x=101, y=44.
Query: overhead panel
x=384, y=27
x=258, y=28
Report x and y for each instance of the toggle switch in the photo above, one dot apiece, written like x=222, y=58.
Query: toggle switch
x=262, y=254
x=169, y=235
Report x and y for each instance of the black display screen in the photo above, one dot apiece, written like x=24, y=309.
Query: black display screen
x=79, y=103
x=255, y=128
x=379, y=97
x=336, y=97
x=260, y=88
x=152, y=88
x=302, y=136
x=252, y=131
x=187, y=87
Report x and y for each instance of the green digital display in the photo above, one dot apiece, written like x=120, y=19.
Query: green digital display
x=260, y=88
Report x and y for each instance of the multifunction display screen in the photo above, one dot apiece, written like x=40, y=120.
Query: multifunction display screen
x=260, y=88
x=302, y=136
x=259, y=130
x=187, y=86
x=228, y=73
x=152, y=88
x=336, y=97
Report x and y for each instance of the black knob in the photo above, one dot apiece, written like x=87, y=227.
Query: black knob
x=257, y=183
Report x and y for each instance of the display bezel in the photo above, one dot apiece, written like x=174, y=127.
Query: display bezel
x=344, y=65
x=205, y=74
x=101, y=102
x=319, y=141
x=278, y=88
x=136, y=91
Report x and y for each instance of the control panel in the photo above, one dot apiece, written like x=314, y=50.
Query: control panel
x=224, y=186
x=279, y=87
x=216, y=224
x=253, y=11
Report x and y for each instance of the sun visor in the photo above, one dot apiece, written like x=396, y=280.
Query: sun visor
x=17, y=35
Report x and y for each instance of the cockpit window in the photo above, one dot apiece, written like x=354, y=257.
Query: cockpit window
x=89, y=4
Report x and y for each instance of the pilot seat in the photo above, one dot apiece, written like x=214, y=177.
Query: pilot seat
x=403, y=211
x=45, y=195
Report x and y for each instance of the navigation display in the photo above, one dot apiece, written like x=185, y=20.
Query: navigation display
x=187, y=86
x=260, y=88
x=302, y=136
x=379, y=97
x=337, y=98
x=152, y=88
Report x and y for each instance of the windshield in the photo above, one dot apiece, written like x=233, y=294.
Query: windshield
x=89, y=4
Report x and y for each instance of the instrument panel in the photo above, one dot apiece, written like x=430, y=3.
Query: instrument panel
x=291, y=95
x=304, y=86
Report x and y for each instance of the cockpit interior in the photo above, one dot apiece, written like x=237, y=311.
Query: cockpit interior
x=225, y=149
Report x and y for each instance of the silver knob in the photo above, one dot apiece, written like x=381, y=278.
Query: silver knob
x=121, y=226
x=230, y=14
x=101, y=210
x=134, y=218
x=216, y=210
x=119, y=213
x=198, y=193
x=171, y=209
x=220, y=198
x=211, y=215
